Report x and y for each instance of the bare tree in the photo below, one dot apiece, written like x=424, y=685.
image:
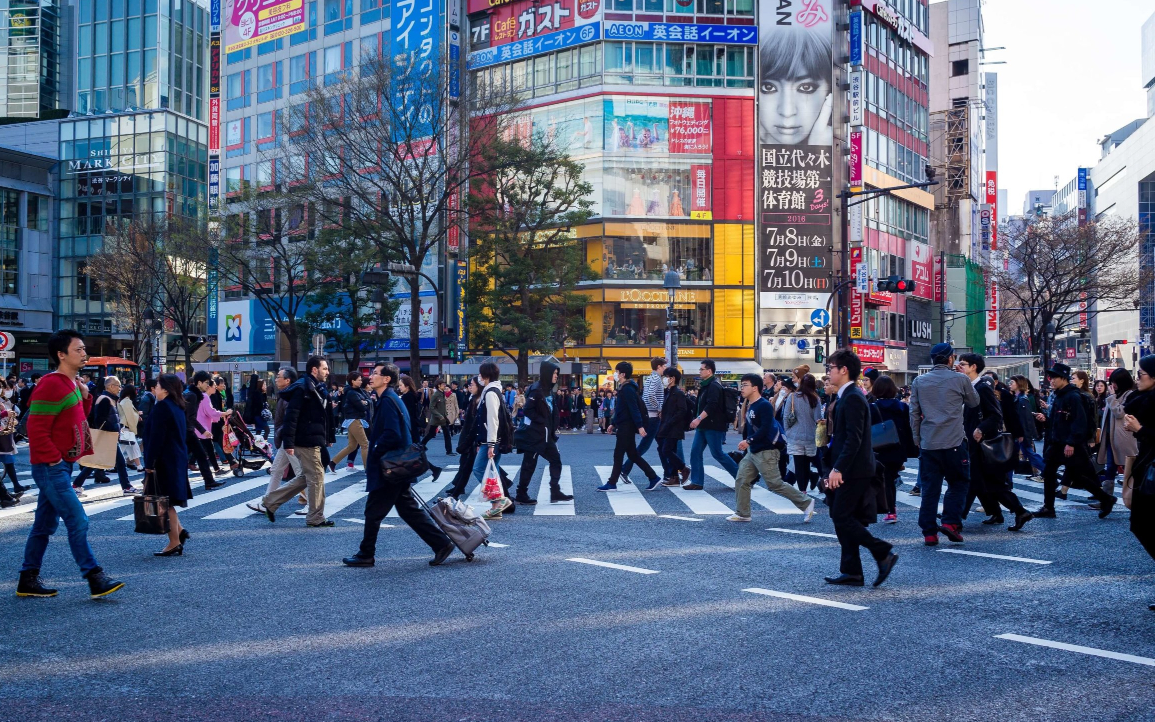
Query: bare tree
x=184, y=260
x=526, y=261
x=125, y=270
x=1055, y=264
x=387, y=155
x=267, y=251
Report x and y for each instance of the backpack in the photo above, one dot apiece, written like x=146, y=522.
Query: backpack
x=504, y=424
x=731, y=400
x=1092, y=413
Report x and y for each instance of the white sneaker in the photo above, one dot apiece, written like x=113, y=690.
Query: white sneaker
x=301, y=512
x=258, y=507
x=737, y=517
x=809, y=513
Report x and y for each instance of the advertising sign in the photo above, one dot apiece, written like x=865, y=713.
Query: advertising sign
x=691, y=128
x=523, y=20
x=700, y=192
x=214, y=126
x=992, y=313
x=856, y=98
x=214, y=181
x=856, y=38
x=795, y=150
x=858, y=271
x=462, y=278
x=683, y=32
x=243, y=328
x=985, y=226
x=427, y=324
x=215, y=65
x=992, y=194
x=869, y=353
x=560, y=40
x=454, y=65
x=921, y=270
x=250, y=22
x=215, y=16
x=856, y=158
x=1082, y=201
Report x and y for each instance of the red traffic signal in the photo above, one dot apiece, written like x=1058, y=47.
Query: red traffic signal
x=895, y=284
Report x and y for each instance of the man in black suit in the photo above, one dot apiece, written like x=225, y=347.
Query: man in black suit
x=852, y=474
x=984, y=421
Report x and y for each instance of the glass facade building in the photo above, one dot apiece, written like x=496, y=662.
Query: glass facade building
x=30, y=81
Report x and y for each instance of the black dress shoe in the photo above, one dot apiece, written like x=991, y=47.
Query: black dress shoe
x=1020, y=520
x=358, y=561
x=176, y=551
x=1044, y=513
x=884, y=568
x=184, y=536
x=996, y=519
x=560, y=498
x=845, y=580
x=217, y=485
x=442, y=555
x=322, y=524
x=525, y=500
x=1106, y=508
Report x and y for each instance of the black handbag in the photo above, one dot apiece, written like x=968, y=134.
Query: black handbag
x=884, y=436
x=150, y=511
x=999, y=453
x=406, y=463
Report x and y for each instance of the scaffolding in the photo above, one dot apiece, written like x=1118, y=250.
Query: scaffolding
x=957, y=154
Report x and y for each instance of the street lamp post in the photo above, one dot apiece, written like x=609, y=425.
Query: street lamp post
x=672, y=282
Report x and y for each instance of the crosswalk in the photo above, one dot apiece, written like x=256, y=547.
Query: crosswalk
x=346, y=493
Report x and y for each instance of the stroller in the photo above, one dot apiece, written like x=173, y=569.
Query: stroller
x=247, y=444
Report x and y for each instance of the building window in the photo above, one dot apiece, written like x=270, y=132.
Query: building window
x=38, y=207
x=959, y=67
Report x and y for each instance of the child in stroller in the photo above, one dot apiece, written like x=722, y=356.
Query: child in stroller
x=248, y=444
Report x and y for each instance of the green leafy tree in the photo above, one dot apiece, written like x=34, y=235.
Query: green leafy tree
x=526, y=260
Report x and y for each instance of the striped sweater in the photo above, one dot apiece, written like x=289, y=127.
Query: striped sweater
x=58, y=421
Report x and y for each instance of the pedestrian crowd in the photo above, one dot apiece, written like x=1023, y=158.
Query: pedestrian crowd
x=847, y=439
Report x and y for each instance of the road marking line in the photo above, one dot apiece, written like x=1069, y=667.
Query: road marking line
x=994, y=556
x=608, y=565
x=565, y=483
x=700, y=501
x=349, y=495
x=808, y=600
x=362, y=522
x=498, y=546
x=761, y=496
x=1078, y=648
x=215, y=495
x=680, y=518
x=806, y=533
x=627, y=500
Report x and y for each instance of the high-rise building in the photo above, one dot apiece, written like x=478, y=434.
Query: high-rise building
x=31, y=78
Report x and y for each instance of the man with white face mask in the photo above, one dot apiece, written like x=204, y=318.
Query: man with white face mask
x=675, y=417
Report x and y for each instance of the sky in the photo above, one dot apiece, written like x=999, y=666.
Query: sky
x=1072, y=76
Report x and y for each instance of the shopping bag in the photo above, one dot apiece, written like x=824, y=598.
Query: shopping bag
x=491, y=483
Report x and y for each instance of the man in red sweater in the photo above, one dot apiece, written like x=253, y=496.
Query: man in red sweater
x=57, y=436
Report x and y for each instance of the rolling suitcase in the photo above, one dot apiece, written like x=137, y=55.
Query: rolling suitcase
x=460, y=523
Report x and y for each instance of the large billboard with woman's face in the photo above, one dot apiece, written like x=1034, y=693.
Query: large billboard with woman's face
x=795, y=152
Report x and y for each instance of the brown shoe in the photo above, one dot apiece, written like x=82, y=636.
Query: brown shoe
x=692, y=487
x=685, y=472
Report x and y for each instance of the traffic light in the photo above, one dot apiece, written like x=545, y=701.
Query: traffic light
x=819, y=353
x=895, y=284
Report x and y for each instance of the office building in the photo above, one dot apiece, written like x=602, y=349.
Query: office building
x=32, y=84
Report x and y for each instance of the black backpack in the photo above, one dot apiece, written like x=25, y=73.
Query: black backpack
x=731, y=399
x=1091, y=412
x=504, y=423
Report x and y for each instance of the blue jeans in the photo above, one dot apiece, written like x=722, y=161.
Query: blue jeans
x=1028, y=449
x=651, y=429
x=482, y=461
x=713, y=439
x=933, y=466
x=57, y=501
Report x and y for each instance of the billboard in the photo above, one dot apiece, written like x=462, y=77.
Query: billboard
x=214, y=126
x=683, y=32
x=215, y=65
x=795, y=151
x=992, y=199
x=992, y=313
x=243, y=328
x=548, y=43
x=523, y=20
x=250, y=22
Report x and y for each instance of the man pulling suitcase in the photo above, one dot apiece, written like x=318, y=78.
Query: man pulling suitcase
x=390, y=431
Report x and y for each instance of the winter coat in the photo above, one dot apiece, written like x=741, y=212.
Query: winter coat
x=166, y=452
x=800, y=420
x=675, y=415
x=308, y=418
x=1121, y=441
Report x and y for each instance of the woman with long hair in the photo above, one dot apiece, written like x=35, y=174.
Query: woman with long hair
x=1027, y=405
x=407, y=390
x=8, y=421
x=1139, y=419
x=166, y=459
x=800, y=418
x=1116, y=442
x=887, y=407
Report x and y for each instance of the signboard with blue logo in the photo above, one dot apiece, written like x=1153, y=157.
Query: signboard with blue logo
x=688, y=32
x=856, y=38
x=820, y=317
x=215, y=16
x=1082, y=179
x=245, y=328
x=415, y=33
x=560, y=40
x=454, y=65
x=214, y=181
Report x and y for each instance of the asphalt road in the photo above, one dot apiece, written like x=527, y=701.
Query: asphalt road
x=261, y=621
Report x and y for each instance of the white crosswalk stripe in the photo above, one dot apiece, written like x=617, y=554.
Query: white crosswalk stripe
x=759, y=495
x=242, y=510
x=565, y=482
x=627, y=500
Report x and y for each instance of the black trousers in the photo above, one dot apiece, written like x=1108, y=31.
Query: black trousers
x=196, y=447
x=668, y=452
x=993, y=492
x=446, y=432
x=547, y=451
x=1143, y=521
x=890, y=479
x=381, y=502
x=627, y=447
x=803, y=474
x=1078, y=474
x=851, y=532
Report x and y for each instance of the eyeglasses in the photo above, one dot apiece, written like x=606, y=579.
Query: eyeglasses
x=1141, y=373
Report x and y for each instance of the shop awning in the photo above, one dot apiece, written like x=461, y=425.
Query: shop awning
x=738, y=368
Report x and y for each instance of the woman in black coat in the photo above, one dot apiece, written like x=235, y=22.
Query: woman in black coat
x=257, y=401
x=1139, y=419
x=166, y=458
x=673, y=421
x=887, y=407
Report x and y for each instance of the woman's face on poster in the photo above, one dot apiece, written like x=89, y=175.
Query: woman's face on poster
x=790, y=110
